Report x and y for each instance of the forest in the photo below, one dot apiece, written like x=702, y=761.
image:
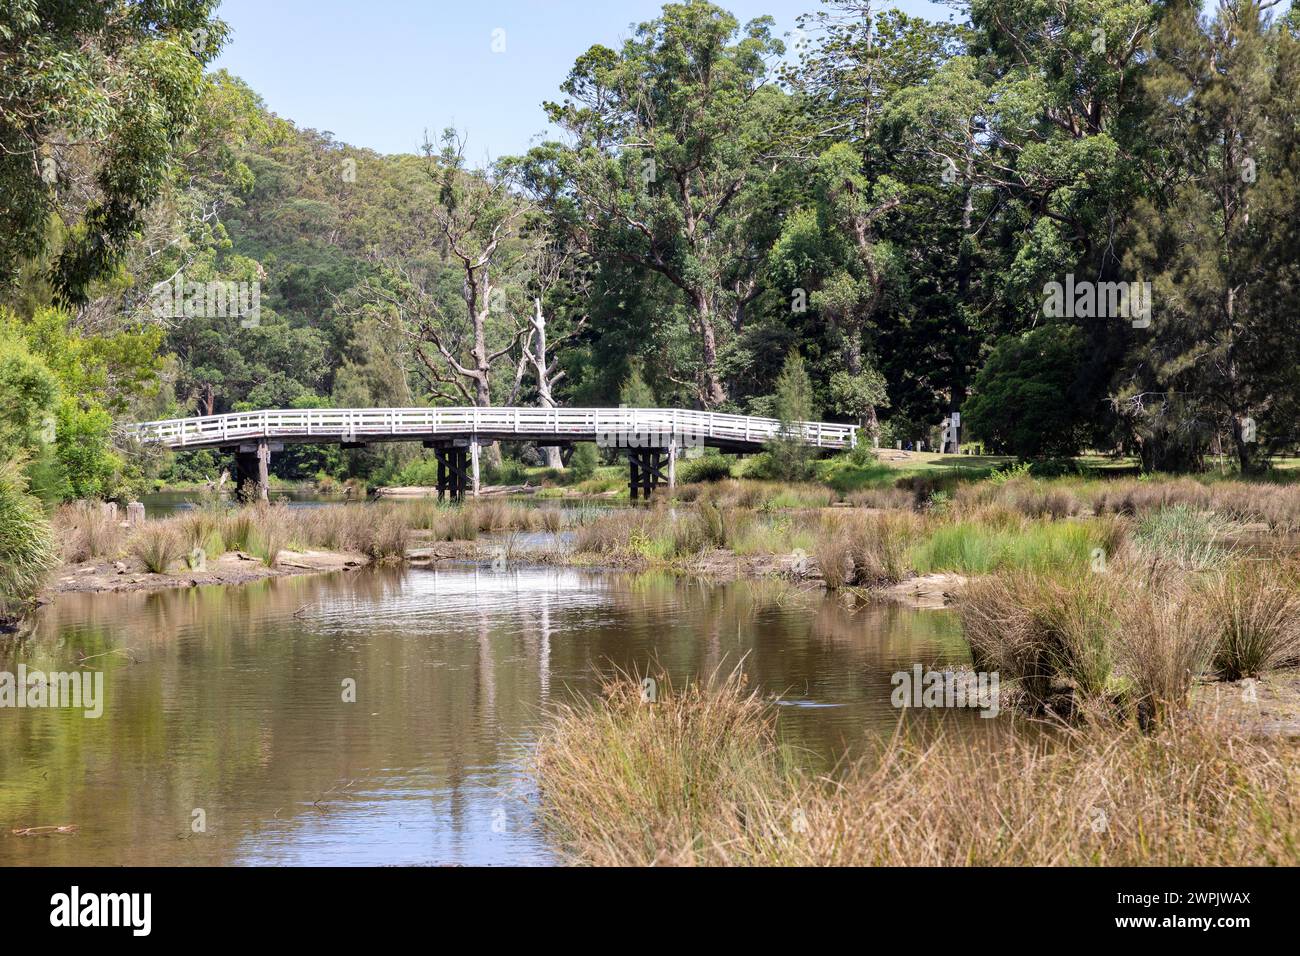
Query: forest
x=884, y=206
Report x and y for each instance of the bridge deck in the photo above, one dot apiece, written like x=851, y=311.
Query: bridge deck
x=611, y=427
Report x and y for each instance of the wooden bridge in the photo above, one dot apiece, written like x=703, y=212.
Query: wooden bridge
x=654, y=438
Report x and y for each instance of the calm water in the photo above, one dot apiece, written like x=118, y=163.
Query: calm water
x=163, y=504
x=230, y=701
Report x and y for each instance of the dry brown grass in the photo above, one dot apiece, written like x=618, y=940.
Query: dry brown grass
x=1278, y=506
x=1138, y=636
x=698, y=778
x=84, y=533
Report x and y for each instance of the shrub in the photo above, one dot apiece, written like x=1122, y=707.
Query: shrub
x=583, y=463
x=708, y=468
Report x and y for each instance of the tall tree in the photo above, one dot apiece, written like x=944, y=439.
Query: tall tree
x=94, y=99
x=1220, y=241
x=669, y=139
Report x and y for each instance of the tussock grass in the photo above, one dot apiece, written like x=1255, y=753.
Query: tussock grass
x=28, y=552
x=759, y=495
x=1256, y=612
x=884, y=498
x=1168, y=643
x=157, y=546
x=1182, y=537
x=629, y=781
x=698, y=777
x=833, y=555
x=1136, y=638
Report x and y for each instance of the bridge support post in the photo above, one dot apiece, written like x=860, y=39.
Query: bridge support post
x=253, y=472
x=646, y=468
x=473, y=464
x=454, y=467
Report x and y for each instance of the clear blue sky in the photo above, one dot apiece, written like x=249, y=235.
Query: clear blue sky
x=378, y=73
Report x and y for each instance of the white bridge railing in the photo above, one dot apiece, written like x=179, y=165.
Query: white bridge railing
x=613, y=427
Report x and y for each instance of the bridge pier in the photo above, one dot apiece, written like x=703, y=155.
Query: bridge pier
x=253, y=471
x=458, y=468
x=649, y=468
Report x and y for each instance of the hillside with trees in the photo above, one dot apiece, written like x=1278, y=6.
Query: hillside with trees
x=888, y=199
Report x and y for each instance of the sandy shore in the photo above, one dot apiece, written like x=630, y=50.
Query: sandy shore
x=233, y=567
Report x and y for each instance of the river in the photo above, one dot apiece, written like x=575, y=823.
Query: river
x=226, y=737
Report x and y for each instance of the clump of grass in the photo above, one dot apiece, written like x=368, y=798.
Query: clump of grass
x=384, y=538
x=1001, y=620
x=238, y=529
x=1257, y=619
x=1167, y=643
x=833, y=555
x=865, y=550
x=1181, y=536
x=608, y=534
x=968, y=547
x=201, y=530
x=28, y=552
x=1077, y=619
x=157, y=546
x=646, y=779
x=698, y=778
x=1044, y=632
x=760, y=495
x=552, y=519
x=888, y=497
x=457, y=524
x=1031, y=497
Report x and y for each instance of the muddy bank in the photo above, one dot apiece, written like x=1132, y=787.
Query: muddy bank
x=1269, y=706
x=233, y=567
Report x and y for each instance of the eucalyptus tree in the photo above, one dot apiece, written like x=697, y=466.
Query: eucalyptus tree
x=94, y=99
x=850, y=246
x=668, y=142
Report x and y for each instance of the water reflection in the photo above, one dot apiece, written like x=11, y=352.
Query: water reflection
x=231, y=702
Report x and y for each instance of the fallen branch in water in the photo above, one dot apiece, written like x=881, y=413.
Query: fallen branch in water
x=45, y=831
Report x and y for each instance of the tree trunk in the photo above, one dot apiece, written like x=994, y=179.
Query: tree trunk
x=542, y=364
x=712, y=394
x=1244, y=457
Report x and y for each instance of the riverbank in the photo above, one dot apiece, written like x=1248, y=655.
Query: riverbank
x=233, y=567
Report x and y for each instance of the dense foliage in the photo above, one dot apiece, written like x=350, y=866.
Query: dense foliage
x=888, y=198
